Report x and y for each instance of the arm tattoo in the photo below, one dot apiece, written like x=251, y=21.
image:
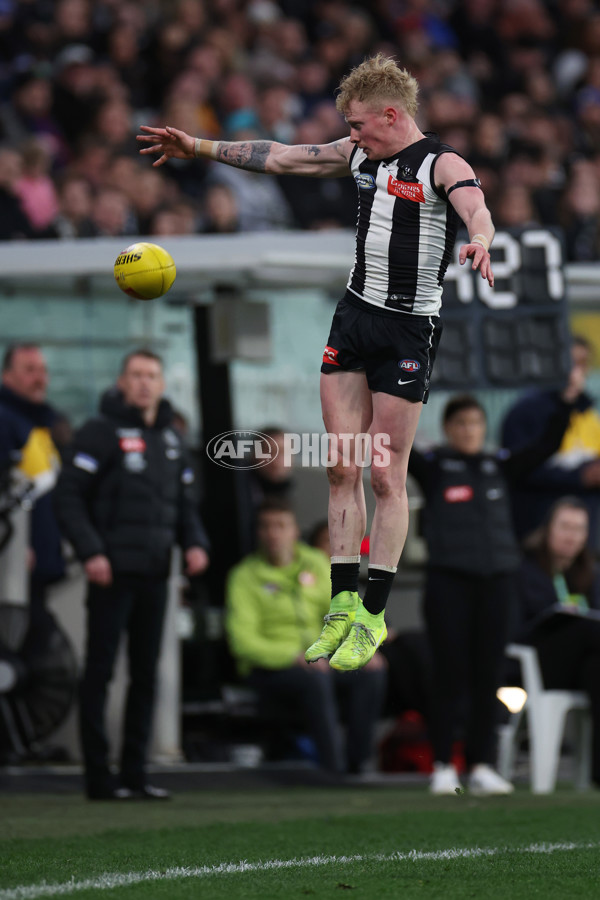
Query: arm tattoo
x=313, y=150
x=251, y=155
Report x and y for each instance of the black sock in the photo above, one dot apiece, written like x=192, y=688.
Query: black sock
x=344, y=577
x=378, y=590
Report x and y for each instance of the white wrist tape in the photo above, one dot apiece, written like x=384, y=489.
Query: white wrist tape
x=480, y=239
x=205, y=148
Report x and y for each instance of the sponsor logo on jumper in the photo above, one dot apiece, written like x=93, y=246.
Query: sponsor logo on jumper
x=409, y=381
x=365, y=181
x=405, y=173
x=330, y=356
x=409, y=365
x=406, y=189
x=458, y=493
x=132, y=444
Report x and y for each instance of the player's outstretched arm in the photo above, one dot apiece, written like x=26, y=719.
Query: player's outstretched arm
x=469, y=203
x=318, y=160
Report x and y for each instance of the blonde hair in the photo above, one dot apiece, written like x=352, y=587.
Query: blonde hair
x=376, y=80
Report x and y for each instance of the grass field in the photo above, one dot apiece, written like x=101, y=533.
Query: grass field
x=363, y=842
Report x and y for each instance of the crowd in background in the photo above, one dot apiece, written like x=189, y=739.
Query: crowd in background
x=513, y=85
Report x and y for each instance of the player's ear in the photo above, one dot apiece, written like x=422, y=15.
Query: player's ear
x=390, y=114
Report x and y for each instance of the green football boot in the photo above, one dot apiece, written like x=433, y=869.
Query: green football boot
x=367, y=632
x=337, y=626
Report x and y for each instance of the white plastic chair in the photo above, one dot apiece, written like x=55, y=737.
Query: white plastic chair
x=546, y=719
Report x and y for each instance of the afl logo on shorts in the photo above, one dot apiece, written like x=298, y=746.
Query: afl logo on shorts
x=367, y=182
x=409, y=365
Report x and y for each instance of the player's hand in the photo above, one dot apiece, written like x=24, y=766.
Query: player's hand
x=98, y=570
x=169, y=142
x=481, y=260
x=196, y=561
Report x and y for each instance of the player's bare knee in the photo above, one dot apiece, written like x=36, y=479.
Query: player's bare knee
x=386, y=483
x=343, y=474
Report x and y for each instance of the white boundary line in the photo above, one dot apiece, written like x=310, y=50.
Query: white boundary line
x=110, y=880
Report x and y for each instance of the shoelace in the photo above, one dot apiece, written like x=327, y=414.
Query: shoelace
x=332, y=617
x=364, y=635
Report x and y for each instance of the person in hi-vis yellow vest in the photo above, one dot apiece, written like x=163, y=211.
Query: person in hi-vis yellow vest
x=26, y=442
x=575, y=469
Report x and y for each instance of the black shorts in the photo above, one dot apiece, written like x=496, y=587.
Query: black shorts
x=396, y=350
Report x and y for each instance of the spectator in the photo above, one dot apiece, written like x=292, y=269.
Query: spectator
x=35, y=187
x=559, y=607
x=472, y=560
x=30, y=114
x=113, y=123
x=515, y=207
x=14, y=224
x=175, y=218
x=112, y=214
x=148, y=194
x=580, y=211
x=237, y=103
x=92, y=161
x=124, y=52
x=73, y=21
x=205, y=67
x=220, y=213
x=123, y=500
x=575, y=468
x=275, y=601
x=77, y=96
x=272, y=481
x=75, y=201
x=26, y=423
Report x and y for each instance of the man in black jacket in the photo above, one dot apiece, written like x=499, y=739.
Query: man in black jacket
x=123, y=499
x=470, y=585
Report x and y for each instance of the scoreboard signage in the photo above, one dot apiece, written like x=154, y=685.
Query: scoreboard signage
x=515, y=334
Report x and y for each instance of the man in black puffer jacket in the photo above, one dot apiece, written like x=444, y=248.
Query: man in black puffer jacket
x=123, y=500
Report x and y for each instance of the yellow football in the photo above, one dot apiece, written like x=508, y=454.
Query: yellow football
x=144, y=271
